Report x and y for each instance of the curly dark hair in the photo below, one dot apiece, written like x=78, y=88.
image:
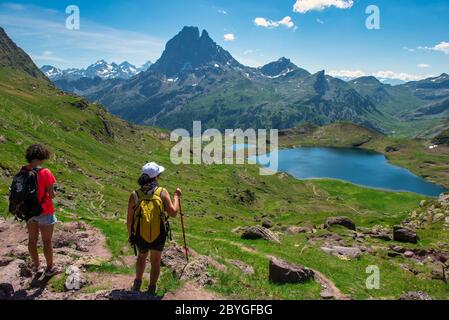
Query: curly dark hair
x=145, y=179
x=37, y=152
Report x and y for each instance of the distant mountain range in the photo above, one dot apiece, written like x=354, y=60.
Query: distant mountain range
x=101, y=69
x=196, y=79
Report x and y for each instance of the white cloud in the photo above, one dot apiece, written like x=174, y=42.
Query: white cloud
x=319, y=21
x=409, y=49
x=266, y=23
x=381, y=75
x=351, y=74
x=229, y=37
x=398, y=76
x=222, y=11
x=249, y=51
x=441, y=47
x=423, y=65
x=304, y=6
x=47, y=56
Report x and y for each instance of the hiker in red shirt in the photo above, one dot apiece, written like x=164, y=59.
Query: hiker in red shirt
x=36, y=155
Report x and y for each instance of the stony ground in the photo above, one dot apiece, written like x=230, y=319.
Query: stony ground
x=77, y=246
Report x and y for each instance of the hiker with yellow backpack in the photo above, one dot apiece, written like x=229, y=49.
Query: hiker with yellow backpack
x=148, y=210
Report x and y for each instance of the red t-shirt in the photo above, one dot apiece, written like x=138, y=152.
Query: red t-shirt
x=45, y=179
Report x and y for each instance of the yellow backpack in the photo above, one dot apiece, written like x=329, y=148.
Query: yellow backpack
x=149, y=215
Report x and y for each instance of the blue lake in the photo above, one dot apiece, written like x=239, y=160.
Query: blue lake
x=357, y=166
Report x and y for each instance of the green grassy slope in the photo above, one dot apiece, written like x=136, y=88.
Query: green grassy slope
x=97, y=170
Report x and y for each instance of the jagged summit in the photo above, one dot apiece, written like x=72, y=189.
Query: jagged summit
x=279, y=67
x=189, y=50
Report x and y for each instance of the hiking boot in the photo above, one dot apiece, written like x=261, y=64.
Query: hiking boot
x=137, y=285
x=50, y=272
x=151, y=290
x=37, y=270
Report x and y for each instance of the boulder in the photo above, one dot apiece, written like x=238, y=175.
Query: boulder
x=266, y=223
x=12, y=274
x=415, y=296
x=19, y=252
x=281, y=272
x=342, y=221
x=259, y=232
x=438, y=217
x=326, y=294
x=174, y=259
x=397, y=249
x=439, y=274
x=343, y=252
x=402, y=234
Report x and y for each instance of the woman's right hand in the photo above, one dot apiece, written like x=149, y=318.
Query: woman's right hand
x=178, y=192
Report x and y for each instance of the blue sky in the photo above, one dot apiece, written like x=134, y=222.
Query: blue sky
x=412, y=43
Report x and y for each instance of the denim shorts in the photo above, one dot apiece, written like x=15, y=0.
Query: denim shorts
x=45, y=219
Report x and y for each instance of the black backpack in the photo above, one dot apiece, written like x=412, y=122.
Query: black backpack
x=23, y=199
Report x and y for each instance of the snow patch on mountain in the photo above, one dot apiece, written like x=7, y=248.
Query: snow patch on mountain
x=101, y=68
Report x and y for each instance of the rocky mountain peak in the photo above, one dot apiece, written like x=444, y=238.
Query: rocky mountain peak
x=278, y=68
x=189, y=50
x=321, y=85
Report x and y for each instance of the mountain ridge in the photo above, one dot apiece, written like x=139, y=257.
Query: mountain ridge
x=196, y=79
x=11, y=56
x=100, y=68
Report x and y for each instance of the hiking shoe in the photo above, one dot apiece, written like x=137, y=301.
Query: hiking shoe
x=52, y=271
x=151, y=290
x=37, y=270
x=137, y=285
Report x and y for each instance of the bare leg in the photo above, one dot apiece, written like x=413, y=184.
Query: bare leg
x=140, y=265
x=47, y=235
x=155, y=267
x=33, y=238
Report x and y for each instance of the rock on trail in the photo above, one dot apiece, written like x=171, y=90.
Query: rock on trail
x=259, y=232
x=403, y=234
x=174, y=259
x=281, y=272
x=342, y=221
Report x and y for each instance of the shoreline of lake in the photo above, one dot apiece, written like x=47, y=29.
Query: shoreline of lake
x=420, y=185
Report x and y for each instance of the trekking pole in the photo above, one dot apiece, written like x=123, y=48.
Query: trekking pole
x=183, y=231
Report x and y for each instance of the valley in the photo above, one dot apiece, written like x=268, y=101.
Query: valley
x=97, y=157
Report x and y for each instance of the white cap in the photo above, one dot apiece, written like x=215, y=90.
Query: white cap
x=152, y=169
